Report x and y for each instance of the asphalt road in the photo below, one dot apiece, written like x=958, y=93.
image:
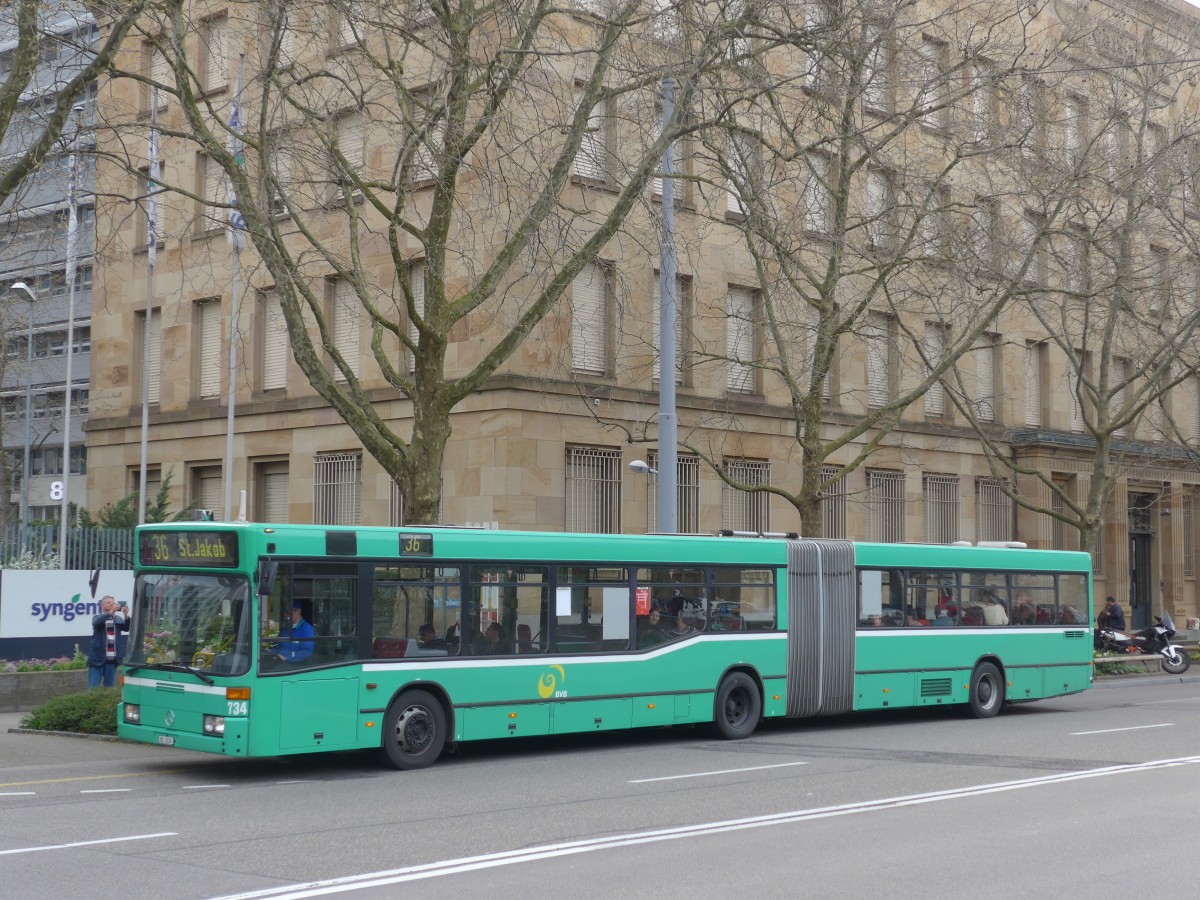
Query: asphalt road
x=1065, y=798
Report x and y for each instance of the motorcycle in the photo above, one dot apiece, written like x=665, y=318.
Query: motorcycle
x=1155, y=639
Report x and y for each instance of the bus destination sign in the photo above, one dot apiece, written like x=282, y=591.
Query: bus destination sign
x=207, y=549
x=416, y=544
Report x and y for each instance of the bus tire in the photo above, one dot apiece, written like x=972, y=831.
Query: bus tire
x=737, y=707
x=987, y=691
x=414, y=730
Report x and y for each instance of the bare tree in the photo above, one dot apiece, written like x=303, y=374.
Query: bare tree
x=858, y=149
x=1115, y=318
x=444, y=170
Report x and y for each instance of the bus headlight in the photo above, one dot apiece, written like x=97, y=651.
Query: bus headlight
x=214, y=725
x=133, y=713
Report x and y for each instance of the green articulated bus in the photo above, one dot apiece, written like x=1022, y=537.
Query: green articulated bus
x=261, y=640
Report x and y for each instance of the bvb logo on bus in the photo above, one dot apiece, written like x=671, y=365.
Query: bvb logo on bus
x=549, y=683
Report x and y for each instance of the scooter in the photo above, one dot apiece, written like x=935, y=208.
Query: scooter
x=1155, y=639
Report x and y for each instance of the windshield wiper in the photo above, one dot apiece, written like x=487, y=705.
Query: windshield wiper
x=169, y=667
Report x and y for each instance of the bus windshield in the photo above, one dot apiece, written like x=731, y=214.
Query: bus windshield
x=192, y=622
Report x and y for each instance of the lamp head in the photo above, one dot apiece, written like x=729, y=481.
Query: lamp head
x=642, y=467
x=22, y=286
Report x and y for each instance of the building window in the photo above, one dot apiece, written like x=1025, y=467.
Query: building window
x=272, y=493
x=880, y=359
x=591, y=161
x=214, y=190
x=985, y=378
x=1058, y=528
x=818, y=195
x=416, y=283
x=273, y=350
x=1075, y=127
x=746, y=510
x=1076, y=400
x=1032, y=117
x=1034, y=361
x=337, y=488
x=214, y=34
x=1120, y=372
x=741, y=341
x=142, y=221
x=880, y=209
x=153, y=483
x=593, y=490
x=1193, y=411
x=207, y=348
x=885, y=507
x=79, y=458
x=1188, y=501
x=983, y=101
x=687, y=490
x=935, y=351
x=833, y=504
x=993, y=511
x=876, y=87
x=933, y=88
x=346, y=328
x=940, y=494
x=395, y=505
x=151, y=373
x=207, y=489
x=351, y=143
x=741, y=162
x=590, y=320
x=683, y=312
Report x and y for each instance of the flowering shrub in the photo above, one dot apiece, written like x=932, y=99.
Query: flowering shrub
x=61, y=664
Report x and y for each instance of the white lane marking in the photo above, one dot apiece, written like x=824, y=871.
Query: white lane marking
x=717, y=772
x=298, y=781
x=17, y=794
x=132, y=837
x=548, y=851
x=203, y=787
x=107, y=791
x=1132, y=728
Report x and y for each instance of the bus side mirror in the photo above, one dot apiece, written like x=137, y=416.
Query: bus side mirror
x=94, y=581
x=267, y=570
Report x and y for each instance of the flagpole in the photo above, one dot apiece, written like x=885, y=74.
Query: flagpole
x=237, y=236
x=72, y=266
x=152, y=176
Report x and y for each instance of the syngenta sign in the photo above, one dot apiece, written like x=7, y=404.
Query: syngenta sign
x=55, y=603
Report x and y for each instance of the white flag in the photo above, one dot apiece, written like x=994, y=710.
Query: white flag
x=152, y=179
x=237, y=222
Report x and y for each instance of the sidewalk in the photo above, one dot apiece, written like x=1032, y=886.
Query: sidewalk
x=1192, y=676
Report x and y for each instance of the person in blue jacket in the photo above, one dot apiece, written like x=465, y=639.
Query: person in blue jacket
x=107, y=646
x=300, y=647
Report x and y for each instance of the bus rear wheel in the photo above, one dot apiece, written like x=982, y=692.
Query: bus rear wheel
x=987, y=691
x=414, y=730
x=737, y=707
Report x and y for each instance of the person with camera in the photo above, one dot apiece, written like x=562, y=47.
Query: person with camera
x=108, y=642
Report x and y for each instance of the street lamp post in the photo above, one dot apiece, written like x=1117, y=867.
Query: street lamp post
x=22, y=286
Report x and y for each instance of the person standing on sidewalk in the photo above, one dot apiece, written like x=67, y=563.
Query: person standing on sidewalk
x=108, y=643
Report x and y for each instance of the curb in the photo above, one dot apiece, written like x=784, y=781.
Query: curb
x=1151, y=678
x=112, y=738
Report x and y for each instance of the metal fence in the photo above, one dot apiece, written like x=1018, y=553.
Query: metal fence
x=87, y=548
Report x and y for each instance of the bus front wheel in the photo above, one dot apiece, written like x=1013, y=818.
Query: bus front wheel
x=737, y=707
x=987, y=691
x=414, y=731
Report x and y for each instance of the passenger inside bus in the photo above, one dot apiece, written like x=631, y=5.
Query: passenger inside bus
x=492, y=642
x=650, y=629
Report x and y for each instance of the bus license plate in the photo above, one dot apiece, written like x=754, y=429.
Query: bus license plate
x=166, y=740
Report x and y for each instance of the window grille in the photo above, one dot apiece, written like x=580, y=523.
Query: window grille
x=833, y=504
x=885, y=507
x=1189, y=534
x=687, y=488
x=1058, y=528
x=337, y=488
x=746, y=510
x=993, y=511
x=940, y=493
x=593, y=490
